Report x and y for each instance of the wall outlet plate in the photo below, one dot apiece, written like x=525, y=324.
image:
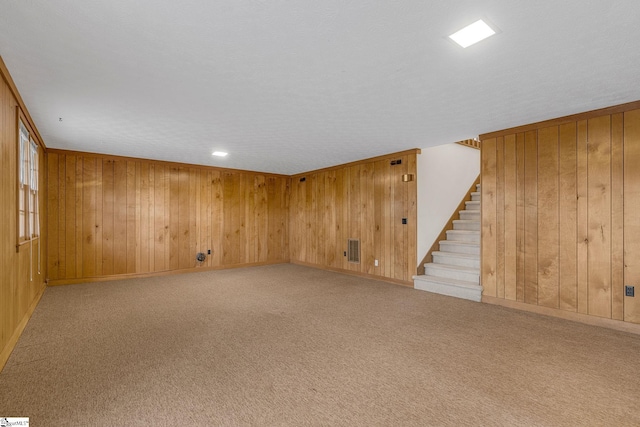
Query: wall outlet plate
x=629, y=291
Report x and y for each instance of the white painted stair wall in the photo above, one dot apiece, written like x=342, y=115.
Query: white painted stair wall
x=455, y=270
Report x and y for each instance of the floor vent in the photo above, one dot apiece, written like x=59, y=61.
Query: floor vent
x=354, y=251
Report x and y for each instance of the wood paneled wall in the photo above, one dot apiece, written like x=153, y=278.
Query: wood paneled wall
x=560, y=213
x=364, y=200
x=21, y=283
x=111, y=216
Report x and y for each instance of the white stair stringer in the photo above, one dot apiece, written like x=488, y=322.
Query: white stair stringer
x=455, y=270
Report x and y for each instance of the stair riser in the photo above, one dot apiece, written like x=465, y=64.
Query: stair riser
x=472, y=215
x=447, y=246
x=452, y=260
x=463, y=237
x=471, y=226
x=452, y=291
x=472, y=206
x=433, y=270
x=475, y=197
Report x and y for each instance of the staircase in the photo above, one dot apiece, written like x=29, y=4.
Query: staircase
x=455, y=270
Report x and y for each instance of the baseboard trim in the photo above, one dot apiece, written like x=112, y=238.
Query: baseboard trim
x=355, y=273
x=618, y=325
x=61, y=282
x=11, y=344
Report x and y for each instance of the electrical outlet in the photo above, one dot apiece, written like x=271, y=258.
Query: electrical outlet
x=375, y=263
x=345, y=253
x=404, y=221
x=209, y=252
x=629, y=291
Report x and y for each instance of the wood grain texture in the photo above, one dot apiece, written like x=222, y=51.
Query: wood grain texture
x=631, y=210
x=520, y=210
x=581, y=216
x=617, y=216
x=574, y=230
x=500, y=218
x=548, y=218
x=599, y=216
x=489, y=206
x=510, y=218
x=365, y=201
x=568, y=206
x=530, y=218
x=136, y=217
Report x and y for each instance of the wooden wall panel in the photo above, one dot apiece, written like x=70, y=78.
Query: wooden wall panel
x=530, y=218
x=77, y=226
x=488, y=235
x=631, y=216
x=617, y=216
x=88, y=209
x=53, y=201
x=510, y=218
x=548, y=218
x=367, y=201
x=575, y=228
x=397, y=229
x=520, y=211
x=119, y=217
x=98, y=238
x=582, y=216
x=108, y=217
x=500, y=218
x=567, y=219
x=70, y=217
x=599, y=216
x=133, y=216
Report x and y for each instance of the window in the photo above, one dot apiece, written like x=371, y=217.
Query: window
x=28, y=209
x=34, y=215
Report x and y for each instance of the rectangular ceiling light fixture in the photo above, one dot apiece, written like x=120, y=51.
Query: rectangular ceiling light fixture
x=219, y=153
x=472, y=34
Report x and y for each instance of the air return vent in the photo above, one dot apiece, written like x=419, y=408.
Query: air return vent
x=353, y=253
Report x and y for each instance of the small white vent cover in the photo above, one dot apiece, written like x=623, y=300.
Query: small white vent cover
x=353, y=254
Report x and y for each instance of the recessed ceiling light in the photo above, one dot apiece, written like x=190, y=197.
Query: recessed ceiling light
x=472, y=34
x=219, y=153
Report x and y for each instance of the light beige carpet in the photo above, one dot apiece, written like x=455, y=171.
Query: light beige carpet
x=290, y=345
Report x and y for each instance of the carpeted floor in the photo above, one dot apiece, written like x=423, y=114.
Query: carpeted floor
x=290, y=345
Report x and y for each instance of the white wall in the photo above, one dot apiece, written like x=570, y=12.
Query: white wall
x=445, y=173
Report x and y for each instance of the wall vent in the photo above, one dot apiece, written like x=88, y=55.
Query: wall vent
x=353, y=252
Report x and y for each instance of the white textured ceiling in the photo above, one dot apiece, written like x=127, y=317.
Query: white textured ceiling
x=292, y=86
